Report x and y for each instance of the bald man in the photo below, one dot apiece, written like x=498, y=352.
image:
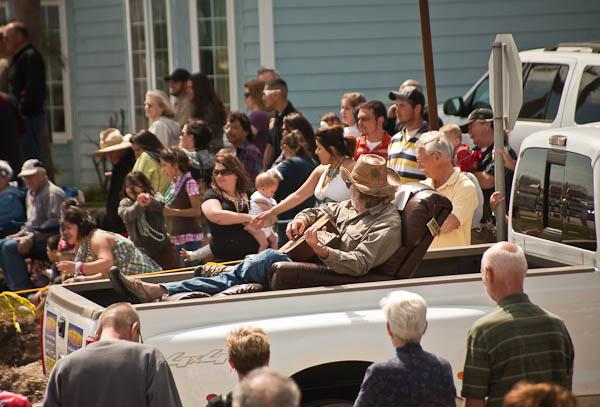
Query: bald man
x=518, y=340
x=114, y=371
x=266, y=388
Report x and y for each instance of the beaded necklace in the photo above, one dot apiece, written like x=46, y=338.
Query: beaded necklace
x=146, y=230
x=83, y=252
x=240, y=204
x=330, y=175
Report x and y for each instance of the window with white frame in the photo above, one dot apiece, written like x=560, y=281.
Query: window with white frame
x=212, y=45
x=148, y=51
x=54, y=50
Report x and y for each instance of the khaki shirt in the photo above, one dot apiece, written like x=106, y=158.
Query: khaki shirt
x=460, y=190
x=366, y=240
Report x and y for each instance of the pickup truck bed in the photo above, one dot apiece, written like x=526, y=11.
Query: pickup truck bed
x=308, y=327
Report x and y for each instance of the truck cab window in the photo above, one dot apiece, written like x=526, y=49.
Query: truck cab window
x=554, y=198
x=529, y=192
x=542, y=89
x=588, y=96
x=579, y=227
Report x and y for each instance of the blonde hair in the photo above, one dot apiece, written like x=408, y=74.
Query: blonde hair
x=264, y=179
x=161, y=98
x=452, y=132
x=248, y=348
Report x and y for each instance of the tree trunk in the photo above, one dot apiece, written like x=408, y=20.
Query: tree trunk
x=28, y=12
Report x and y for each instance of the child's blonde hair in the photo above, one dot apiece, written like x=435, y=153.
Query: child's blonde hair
x=264, y=179
x=452, y=132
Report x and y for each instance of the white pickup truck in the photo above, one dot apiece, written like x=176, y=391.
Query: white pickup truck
x=325, y=337
x=561, y=88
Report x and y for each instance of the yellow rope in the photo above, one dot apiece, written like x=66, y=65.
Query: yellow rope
x=34, y=290
x=7, y=296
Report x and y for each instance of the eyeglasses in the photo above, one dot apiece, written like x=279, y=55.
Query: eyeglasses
x=424, y=159
x=268, y=92
x=246, y=94
x=222, y=172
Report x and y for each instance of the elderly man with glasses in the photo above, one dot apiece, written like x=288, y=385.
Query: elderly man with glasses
x=434, y=157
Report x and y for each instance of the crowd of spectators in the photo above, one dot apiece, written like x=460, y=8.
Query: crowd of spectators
x=202, y=184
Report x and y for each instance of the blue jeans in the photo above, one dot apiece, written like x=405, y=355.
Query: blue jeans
x=31, y=143
x=13, y=265
x=190, y=247
x=254, y=270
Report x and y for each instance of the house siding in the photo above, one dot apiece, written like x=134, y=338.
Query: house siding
x=326, y=48
x=322, y=48
x=99, y=79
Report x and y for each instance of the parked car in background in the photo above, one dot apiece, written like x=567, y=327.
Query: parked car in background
x=561, y=88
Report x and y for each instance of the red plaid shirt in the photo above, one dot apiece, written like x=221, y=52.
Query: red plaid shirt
x=381, y=149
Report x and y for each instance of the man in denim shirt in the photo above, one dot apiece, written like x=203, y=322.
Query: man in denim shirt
x=43, y=202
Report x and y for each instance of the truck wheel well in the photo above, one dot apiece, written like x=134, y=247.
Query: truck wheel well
x=336, y=380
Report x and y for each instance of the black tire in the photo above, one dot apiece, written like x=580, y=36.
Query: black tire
x=328, y=403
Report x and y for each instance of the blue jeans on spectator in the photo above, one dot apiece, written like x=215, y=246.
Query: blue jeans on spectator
x=13, y=265
x=190, y=247
x=252, y=270
x=31, y=143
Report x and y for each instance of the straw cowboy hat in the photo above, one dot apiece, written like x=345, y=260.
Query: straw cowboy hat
x=371, y=176
x=112, y=140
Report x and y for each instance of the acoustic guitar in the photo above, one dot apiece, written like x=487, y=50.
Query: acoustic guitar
x=299, y=250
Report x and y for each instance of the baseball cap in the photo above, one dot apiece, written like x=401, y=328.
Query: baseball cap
x=31, y=166
x=478, y=115
x=409, y=94
x=178, y=75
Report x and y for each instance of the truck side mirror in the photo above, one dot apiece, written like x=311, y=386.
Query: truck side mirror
x=454, y=106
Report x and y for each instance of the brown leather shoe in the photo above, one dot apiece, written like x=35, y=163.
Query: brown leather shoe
x=130, y=288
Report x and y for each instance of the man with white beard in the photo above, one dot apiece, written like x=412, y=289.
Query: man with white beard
x=369, y=227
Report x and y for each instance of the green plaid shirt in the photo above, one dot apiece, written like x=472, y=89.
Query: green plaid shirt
x=518, y=341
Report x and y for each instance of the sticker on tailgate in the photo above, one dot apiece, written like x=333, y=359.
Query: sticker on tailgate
x=74, y=338
x=50, y=339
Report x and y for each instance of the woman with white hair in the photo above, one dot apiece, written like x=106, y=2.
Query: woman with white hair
x=12, y=210
x=413, y=377
x=160, y=112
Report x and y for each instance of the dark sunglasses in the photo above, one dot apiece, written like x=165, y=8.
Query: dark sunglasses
x=246, y=94
x=222, y=172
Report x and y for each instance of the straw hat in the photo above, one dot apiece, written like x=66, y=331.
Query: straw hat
x=112, y=140
x=371, y=176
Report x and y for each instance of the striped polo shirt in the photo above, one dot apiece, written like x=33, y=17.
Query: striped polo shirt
x=517, y=341
x=402, y=155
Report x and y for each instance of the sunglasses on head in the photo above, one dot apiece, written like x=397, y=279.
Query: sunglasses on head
x=268, y=92
x=222, y=172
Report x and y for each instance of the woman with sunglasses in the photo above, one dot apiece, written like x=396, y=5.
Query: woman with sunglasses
x=226, y=208
x=259, y=117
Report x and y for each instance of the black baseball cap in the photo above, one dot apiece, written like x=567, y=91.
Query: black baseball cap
x=178, y=75
x=478, y=115
x=410, y=94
